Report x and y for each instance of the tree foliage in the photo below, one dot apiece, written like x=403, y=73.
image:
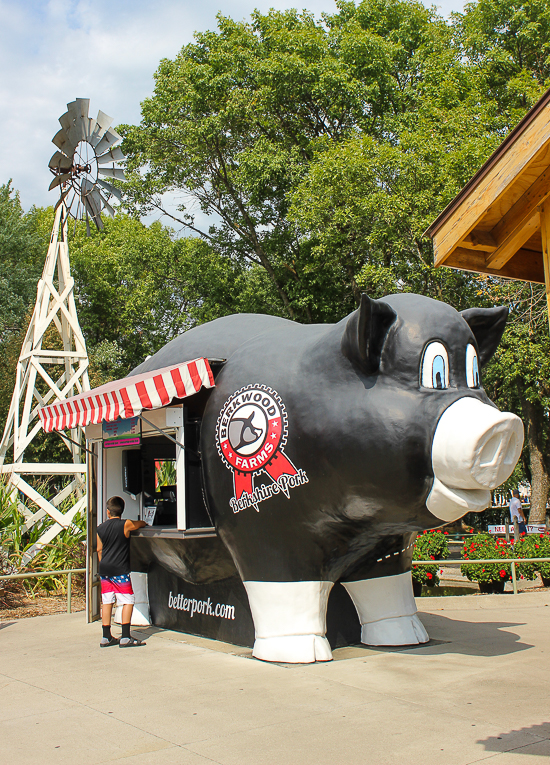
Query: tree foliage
x=308, y=157
x=239, y=116
x=20, y=249
x=508, y=41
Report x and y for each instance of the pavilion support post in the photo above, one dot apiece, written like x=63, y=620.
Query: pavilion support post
x=545, y=231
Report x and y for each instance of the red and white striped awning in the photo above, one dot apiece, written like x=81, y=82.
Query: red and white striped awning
x=128, y=397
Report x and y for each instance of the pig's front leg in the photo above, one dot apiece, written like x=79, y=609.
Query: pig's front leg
x=290, y=620
x=387, y=610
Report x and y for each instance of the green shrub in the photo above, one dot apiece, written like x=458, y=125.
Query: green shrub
x=428, y=575
x=486, y=546
x=430, y=545
x=534, y=546
x=433, y=544
x=526, y=547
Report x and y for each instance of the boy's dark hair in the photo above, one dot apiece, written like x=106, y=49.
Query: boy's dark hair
x=115, y=506
x=515, y=493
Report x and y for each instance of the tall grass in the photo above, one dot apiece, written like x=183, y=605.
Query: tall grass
x=66, y=550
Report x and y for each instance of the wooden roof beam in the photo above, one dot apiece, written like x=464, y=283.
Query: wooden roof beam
x=496, y=178
x=479, y=240
x=525, y=265
x=520, y=222
x=510, y=244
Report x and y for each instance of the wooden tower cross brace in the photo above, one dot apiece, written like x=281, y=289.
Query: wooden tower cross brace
x=45, y=375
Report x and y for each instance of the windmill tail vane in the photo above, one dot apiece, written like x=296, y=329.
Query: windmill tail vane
x=88, y=152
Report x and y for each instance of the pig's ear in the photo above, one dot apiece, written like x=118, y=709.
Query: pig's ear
x=487, y=324
x=365, y=333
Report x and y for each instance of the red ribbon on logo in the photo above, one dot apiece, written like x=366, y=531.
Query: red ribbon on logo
x=268, y=457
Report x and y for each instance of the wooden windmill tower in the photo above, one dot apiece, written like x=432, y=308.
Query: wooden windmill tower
x=53, y=363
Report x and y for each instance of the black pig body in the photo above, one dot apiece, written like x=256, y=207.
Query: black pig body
x=350, y=411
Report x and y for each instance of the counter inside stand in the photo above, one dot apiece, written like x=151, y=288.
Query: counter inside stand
x=171, y=532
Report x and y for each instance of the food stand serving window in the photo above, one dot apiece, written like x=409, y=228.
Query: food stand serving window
x=143, y=441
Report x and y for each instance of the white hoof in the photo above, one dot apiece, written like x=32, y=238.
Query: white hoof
x=290, y=621
x=387, y=610
x=293, y=649
x=401, y=630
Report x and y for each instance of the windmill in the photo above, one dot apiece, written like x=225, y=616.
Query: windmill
x=53, y=363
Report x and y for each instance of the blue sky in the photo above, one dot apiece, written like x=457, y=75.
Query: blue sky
x=56, y=50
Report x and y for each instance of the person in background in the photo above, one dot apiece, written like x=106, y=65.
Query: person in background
x=516, y=512
x=113, y=551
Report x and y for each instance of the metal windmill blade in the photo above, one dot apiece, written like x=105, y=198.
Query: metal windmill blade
x=87, y=149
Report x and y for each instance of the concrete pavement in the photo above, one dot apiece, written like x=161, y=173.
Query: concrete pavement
x=478, y=692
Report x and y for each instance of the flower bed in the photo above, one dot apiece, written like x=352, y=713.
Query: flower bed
x=533, y=546
x=482, y=546
x=431, y=545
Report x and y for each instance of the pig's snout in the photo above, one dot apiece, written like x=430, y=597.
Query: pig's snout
x=475, y=446
x=475, y=449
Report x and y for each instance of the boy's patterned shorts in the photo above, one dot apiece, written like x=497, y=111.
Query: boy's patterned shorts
x=117, y=588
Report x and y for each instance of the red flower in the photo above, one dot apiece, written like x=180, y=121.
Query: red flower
x=445, y=532
x=430, y=576
x=482, y=570
x=432, y=557
x=503, y=573
x=537, y=547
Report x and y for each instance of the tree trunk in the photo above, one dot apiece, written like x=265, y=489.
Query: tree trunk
x=533, y=415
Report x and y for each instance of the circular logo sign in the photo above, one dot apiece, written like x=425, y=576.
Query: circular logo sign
x=251, y=428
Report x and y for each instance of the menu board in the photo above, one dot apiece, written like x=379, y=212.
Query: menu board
x=122, y=433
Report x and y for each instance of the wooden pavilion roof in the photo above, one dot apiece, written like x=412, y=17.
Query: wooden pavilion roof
x=493, y=226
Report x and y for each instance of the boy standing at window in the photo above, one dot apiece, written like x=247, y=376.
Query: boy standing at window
x=113, y=551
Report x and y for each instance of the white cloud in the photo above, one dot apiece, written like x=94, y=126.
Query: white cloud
x=52, y=52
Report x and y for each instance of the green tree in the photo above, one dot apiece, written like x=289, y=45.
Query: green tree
x=364, y=203
x=518, y=379
x=126, y=306
x=508, y=41
x=138, y=287
x=22, y=250
x=238, y=116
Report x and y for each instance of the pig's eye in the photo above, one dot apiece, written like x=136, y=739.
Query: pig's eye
x=472, y=367
x=435, y=367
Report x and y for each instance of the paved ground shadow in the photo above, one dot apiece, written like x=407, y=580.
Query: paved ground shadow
x=3, y=625
x=446, y=636
x=509, y=741
x=470, y=638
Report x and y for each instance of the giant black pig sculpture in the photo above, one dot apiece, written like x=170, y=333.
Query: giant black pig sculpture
x=325, y=448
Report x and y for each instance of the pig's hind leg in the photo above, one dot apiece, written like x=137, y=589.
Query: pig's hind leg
x=385, y=602
x=290, y=620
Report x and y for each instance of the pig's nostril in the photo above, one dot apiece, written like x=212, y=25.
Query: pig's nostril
x=490, y=450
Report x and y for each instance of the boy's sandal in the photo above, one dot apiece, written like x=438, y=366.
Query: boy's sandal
x=112, y=641
x=133, y=642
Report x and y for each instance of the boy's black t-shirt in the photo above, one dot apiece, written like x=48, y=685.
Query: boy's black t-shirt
x=115, y=558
